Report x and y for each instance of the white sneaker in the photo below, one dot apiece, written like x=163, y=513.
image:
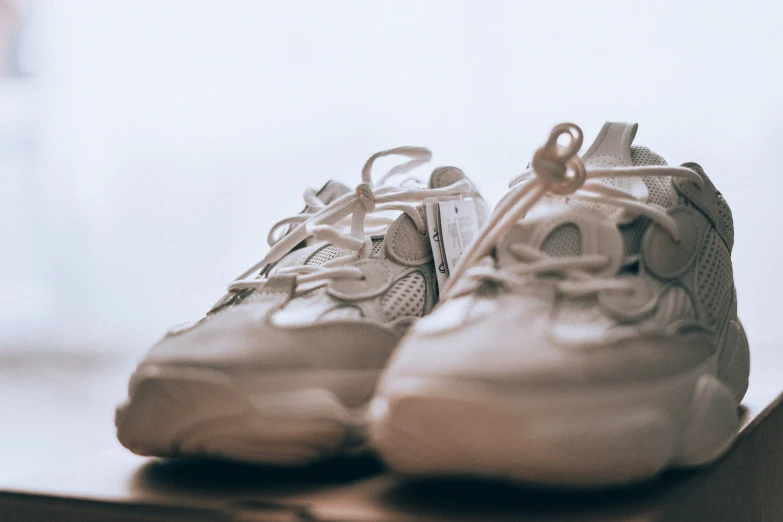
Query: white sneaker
x=280, y=370
x=594, y=342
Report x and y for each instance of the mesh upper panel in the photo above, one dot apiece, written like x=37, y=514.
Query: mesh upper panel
x=377, y=248
x=295, y=258
x=725, y=220
x=659, y=188
x=327, y=253
x=713, y=276
x=405, y=297
x=644, y=156
x=563, y=241
x=660, y=191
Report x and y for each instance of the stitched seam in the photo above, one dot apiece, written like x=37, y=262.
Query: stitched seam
x=596, y=158
x=394, y=240
x=438, y=179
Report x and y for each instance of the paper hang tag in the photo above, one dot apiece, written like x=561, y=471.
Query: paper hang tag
x=453, y=223
x=458, y=227
x=433, y=218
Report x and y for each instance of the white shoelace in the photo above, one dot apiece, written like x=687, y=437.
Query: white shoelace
x=323, y=219
x=557, y=170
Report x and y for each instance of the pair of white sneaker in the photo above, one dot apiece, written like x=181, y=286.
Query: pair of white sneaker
x=589, y=335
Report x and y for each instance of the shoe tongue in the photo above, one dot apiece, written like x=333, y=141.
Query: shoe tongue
x=613, y=148
x=565, y=232
x=445, y=176
x=331, y=191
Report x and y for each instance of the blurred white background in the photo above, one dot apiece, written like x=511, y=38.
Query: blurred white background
x=146, y=147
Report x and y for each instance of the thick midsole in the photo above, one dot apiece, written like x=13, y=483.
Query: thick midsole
x=600, y=434
x=674, y=391
x=352, y=387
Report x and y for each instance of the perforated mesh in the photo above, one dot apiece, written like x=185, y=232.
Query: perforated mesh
x=660, y=191
x=405, y=297
x=327, y=253
x=725, y=220
x=297, y=257
x=377, y=247
x=713, y=276
x=659, y=188
x=563, y=241
x=644, y=156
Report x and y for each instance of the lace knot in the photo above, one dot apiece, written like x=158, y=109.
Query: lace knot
x=366, y=196
x=552, y=163
x=551, y=170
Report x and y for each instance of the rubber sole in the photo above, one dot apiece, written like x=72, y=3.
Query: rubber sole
x=565, y=437
x=204, y=413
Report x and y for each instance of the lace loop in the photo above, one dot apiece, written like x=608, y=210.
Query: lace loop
x=552, y=162
x=418, y=156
